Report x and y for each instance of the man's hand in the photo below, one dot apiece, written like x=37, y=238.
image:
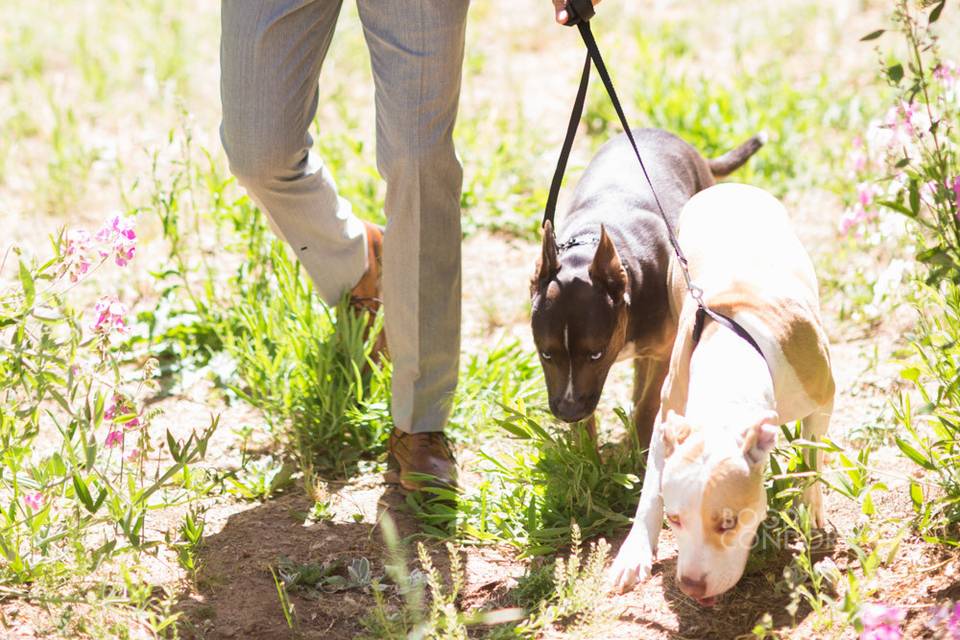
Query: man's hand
x=560, y=8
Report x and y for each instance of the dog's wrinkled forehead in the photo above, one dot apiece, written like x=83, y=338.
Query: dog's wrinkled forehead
x=568, y=289
x=707, y=473
x=575, y=304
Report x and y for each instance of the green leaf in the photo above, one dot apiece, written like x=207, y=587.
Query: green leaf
x=895, y=73
x=914, y=198
x=514, y=429
x=173, y=446
x=896, y=206
x=909, y=451
x=936, y=256
x=867, y=506
x=873, y=35
x=83, y=493
x=26, y=281
x=911, y=374
x=937, y=10
x=916, y=495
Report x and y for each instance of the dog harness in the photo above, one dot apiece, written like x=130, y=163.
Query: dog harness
x=579, y=13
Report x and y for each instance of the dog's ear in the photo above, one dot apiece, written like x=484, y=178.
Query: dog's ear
x=547, y=265
x=759, y=439
x=674, y=431
x=607, y=270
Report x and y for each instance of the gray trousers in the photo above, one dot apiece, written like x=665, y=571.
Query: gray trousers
x=271, y=55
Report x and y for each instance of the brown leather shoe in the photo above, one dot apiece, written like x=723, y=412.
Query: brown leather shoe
x=421, y=453
x=366, y=295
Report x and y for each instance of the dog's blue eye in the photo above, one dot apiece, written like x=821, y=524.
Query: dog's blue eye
x=545, y=355
x=596, y=356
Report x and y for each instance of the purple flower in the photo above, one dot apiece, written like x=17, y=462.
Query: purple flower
x=899, y=130
x=881, y=622
x=948, y=74
x=120, y=407
x=119, y=238
x=860, y=212
x=953, y=622
x=113, y=439
x=35, y=500
x=866, y=192
x=78, y=253
x=857, y=158
x=108, y=316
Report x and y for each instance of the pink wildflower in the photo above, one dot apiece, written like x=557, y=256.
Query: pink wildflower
x=35, y=500
x=881, y=622
x=79, y=247
x=120, y=407
x=915, y=118
x=108, y=316
x=953, y=622
x=866, y=193
x=860, y=212
x=900, y=128
x=120, y=237
x=113, y=439
x=133, y=455
x=948, y=74
x=857, y=158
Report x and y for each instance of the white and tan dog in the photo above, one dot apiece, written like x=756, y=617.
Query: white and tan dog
x=722, y=401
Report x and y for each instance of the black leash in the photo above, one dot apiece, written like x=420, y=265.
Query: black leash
x=579, y=13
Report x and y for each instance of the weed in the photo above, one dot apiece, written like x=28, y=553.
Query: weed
x=190, y=539
x=572, y=598
x=578, y=591
x=286, y=606
x=932, y=438
x=304, y=364
x=262, y=478
x=531, y=495
x=77, y=472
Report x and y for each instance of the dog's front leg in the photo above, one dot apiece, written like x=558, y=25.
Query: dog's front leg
x=648, y=377
x=634, y=561
x=814, y=428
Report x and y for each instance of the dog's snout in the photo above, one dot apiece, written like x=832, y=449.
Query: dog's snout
x=570, y=410
x=695, y=588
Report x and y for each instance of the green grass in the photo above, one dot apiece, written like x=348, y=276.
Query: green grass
x=550, y=480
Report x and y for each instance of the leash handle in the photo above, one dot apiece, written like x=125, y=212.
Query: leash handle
x=579, y=11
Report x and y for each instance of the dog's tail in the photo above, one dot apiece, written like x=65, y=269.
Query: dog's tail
x=736, y=158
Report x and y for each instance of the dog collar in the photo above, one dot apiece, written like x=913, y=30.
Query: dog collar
x=704, y=312
x=577, y=241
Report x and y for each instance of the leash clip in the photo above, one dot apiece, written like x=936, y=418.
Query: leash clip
x=579, y=11
x=696, y=293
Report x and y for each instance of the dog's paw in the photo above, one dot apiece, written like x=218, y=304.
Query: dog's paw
x=633, y=564
x=813, y=498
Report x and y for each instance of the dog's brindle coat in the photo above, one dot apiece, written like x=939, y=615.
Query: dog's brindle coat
x=600, y=295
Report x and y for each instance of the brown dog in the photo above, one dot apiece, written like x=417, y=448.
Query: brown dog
x=601, y=294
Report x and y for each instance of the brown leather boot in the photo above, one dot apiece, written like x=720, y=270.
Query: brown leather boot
x=421, y=453
x=366, y=295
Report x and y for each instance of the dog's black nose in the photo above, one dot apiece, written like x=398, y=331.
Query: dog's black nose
x=695, y=588
x=570, y=410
